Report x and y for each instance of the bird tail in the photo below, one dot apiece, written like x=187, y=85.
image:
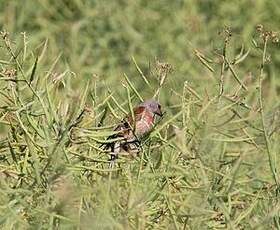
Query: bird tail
x=113, y=147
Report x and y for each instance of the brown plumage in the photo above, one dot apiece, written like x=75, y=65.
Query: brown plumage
x=133, y=128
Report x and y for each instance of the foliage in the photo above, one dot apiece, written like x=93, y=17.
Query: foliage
x=70, y=70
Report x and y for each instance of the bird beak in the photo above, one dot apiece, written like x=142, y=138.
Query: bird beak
x=159, y=113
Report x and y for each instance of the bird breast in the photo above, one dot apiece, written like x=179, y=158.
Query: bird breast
x=143, y=121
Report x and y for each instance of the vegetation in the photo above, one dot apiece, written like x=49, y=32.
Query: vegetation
x=71, y=69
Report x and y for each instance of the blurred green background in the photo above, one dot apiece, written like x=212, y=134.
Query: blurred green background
x=100, y=37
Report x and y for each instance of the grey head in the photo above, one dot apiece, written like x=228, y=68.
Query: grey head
x=153, y=106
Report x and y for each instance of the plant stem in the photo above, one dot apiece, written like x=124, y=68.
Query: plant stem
x=267, y=143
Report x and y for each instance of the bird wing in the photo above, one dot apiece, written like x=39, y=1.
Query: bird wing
x=139, y=113
x=130, y=128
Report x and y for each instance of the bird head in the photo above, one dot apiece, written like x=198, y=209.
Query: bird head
x=153, y=106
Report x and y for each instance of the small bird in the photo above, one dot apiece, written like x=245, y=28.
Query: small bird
x=134, y=127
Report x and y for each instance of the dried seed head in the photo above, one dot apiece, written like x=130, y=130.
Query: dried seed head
x=9, y=72
x=259, y=28
x=266, y=35
x=4, y=34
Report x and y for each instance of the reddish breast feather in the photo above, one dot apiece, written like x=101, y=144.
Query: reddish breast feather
x=144, y=120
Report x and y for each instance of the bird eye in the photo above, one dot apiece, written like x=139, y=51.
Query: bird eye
x=159, y=106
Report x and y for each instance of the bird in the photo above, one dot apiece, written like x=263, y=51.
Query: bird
x=133, y=128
